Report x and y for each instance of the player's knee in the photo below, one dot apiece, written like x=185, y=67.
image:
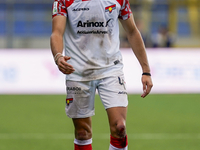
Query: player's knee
x=121, y=129
x=83, y=134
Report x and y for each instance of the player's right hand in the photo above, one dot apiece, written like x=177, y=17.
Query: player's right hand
x=63, y=66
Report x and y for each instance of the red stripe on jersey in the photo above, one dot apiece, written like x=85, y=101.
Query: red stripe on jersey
x=125, y=12
x=120, y=2
x=67, y=3
x=61, y=7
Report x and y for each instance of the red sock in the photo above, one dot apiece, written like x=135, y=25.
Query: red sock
x=119, y=142
x=83, y=147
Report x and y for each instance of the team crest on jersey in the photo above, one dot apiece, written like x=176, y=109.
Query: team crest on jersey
x=110, y=8
x=68, y=101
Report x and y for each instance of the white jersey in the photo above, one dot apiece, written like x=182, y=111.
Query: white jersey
x=92, y=36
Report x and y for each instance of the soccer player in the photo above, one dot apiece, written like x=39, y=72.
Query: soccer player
x=93, y=62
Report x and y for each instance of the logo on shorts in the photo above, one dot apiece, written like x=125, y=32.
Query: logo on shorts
x=68, y=101
x=116, y=62
x=122, y=82
x=73, y=89
x=122, y=92
x=110, y=8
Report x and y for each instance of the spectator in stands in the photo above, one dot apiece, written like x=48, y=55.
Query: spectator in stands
x=163, y=38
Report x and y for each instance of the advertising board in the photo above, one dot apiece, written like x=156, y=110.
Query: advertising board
x=29, y=71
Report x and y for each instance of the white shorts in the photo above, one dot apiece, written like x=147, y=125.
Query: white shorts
x=81, y=95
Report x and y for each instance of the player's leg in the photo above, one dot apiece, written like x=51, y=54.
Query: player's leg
x=117, y=122
x=113, y=94
x=83, y=133
x=80, y=107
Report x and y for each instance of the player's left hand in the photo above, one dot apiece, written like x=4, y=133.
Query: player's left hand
x=147, y=85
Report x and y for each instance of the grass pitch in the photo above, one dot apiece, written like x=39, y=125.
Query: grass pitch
x=158, y=122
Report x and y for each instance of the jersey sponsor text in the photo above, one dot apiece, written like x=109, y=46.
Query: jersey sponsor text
x=80, y=9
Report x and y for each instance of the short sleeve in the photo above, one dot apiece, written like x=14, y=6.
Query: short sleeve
x=125, y=11
x=59, y=8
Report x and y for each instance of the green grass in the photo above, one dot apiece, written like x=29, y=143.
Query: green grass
x=158, y=122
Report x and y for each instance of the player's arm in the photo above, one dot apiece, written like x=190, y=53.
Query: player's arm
x=137, y=45
x=56, y=42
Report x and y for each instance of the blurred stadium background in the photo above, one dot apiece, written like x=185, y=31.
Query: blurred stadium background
x=31, y=117
x=27, y=23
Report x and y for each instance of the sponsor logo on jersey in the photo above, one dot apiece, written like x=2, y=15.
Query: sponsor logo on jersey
x=88, y=23
x=92, y=32
x=73, y=89
x=68, y=101
x=109, y=23
x=80, y=9
x=110, y=8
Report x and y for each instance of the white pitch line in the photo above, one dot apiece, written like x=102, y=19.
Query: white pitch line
x=35, y=136
x=137, y=136
x=161, y=136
